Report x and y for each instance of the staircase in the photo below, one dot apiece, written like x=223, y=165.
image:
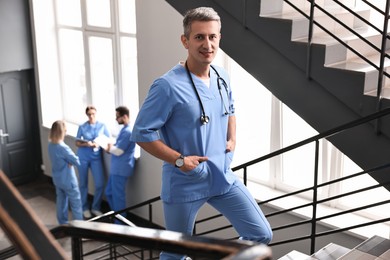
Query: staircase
x=333, y=86
x=374, y=248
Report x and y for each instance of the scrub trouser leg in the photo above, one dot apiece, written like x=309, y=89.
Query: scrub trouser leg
x=242, y=211
x=75, y=202
x=109, y=192
x=180, y=217
x=116, y=192
x=61, y=206
x=237, y=205
x=83, y=183
x=98, y=178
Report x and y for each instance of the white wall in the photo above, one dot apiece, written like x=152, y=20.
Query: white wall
x=15, y=40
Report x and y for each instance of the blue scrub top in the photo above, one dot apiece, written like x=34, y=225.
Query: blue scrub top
x=89, y=132
x=123, y=165
x=61, y=156
x=171, y=111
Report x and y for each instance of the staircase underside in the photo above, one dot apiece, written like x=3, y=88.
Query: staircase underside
x=332, y=97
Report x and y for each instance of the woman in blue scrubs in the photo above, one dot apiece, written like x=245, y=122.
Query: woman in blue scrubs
x=64, y=176
x=90, y=154
x=188, y=121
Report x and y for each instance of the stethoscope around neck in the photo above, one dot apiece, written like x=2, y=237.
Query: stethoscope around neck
x=204, y=119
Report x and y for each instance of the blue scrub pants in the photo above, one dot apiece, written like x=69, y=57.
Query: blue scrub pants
x=72, y=195
x=98, y=178
x=116, y=193
x=237, y=205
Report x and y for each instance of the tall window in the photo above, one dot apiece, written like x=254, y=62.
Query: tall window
x=87, y=54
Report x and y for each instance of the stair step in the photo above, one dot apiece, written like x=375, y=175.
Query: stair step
x=375, y=248
x=326, y=39
x=336, y=52
x=334, y=27
x=296, y=255
x=300, y=25
x=358, y=64
x=371, y=74
x=272, y=7
x=330, y=252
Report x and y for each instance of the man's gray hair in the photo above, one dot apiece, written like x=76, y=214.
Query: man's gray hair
x=204, y=14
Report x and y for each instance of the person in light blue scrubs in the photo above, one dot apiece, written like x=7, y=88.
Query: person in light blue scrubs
x=188, y=121
x=90, y=154
x=122, y=162
x=64, y=176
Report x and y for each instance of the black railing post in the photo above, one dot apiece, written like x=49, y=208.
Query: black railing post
x=151, y=220
x=309, y=39
x=244, y=13
x=112, y=251
x=150, y=213
x=382, y=62
x=245, y=175
x=315, y=199
x=77, y=248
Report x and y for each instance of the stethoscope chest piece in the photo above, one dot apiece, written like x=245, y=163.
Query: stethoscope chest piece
x=204, y=119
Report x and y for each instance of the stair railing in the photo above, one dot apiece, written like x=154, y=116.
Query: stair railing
x=383, y=31
x=315, y=201
x=314, y=220
x=32, y=240
x=160, y=240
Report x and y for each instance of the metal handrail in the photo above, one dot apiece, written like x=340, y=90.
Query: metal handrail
x=154, y=239
x=314, y=220
x=325, y=134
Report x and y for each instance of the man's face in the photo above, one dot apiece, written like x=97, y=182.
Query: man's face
x=119, y=118
x=203, y=41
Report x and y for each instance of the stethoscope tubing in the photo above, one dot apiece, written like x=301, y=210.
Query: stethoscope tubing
x=204, y=119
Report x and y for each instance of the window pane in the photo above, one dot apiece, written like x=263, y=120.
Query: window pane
x=253, y=110
x=102, y=77
x=99, y=13
x=73, y=74
x=129, y=74
x=69, y=12
x=46, y=42
x=298, y=164
x=127, y=16
x=366, y=197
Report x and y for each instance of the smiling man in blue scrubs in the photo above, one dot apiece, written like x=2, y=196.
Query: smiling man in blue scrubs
x=188, y=121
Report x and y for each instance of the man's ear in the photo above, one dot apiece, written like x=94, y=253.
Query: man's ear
x=184, y=41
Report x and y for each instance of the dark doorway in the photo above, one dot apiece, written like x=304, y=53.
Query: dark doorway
x=20, y=152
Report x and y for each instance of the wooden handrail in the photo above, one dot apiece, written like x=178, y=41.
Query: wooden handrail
x=156, y=239
x=23, y=227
